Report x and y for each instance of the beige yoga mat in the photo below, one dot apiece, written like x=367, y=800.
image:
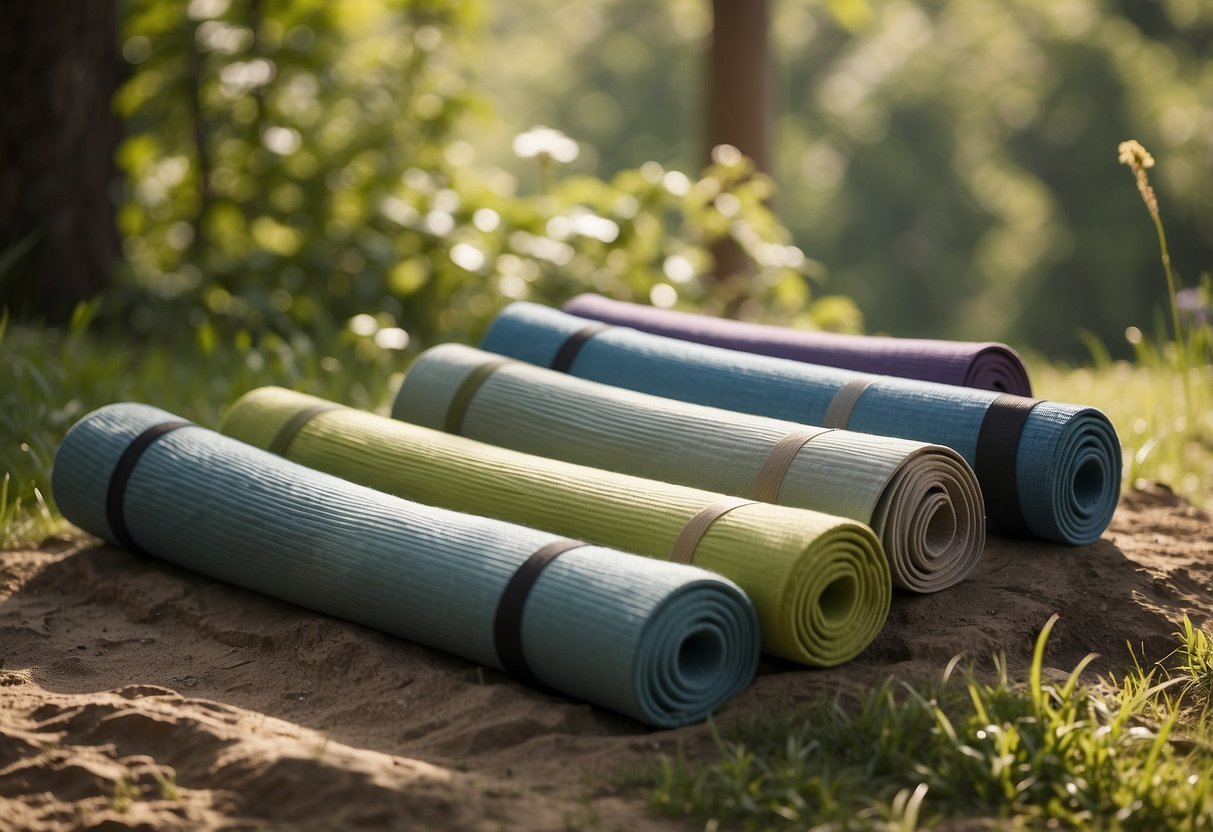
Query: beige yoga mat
x=922, y=500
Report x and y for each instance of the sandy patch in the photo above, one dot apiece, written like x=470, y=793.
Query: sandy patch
x=135, y=695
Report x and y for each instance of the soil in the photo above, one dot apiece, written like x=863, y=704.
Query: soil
x=135, y=695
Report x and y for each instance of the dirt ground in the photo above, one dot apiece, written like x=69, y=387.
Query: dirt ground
x=135, y=695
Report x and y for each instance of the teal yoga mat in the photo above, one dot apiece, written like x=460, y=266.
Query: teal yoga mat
x=1047, y=469
x=922, y=500
x=664, y=643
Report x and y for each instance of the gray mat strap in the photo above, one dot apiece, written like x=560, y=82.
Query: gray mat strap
x=838, y=414
x=697, y=526
x=779, y=459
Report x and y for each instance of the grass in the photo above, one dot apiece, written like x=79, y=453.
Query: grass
x=1166, y=436
x=50, y=378
x=1162, y=403
x=1117, y=754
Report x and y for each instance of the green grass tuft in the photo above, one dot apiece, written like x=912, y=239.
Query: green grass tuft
x=1062, y=752
x=50, y=378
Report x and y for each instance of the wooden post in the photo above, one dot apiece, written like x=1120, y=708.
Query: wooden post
x=741, y=79
x=740, y=98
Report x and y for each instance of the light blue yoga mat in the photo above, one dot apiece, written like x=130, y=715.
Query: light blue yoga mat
x=664, y=643
x=1046, y=469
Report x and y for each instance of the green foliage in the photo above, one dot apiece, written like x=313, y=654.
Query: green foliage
x=50, y=378
x=263, y=141
x=291, y=164
x=1074, y=755
x=1195, y=663
x=946, y=161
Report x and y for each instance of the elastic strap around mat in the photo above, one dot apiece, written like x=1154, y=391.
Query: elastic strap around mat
x=997, y=448
x=292, y=426
x=779, y=459
x=115, y=495
x=507, y=624
x=462, y=399
x=563, y=360
x=844, y=401
x=697, y=527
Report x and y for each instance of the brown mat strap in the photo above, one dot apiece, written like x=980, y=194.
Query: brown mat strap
x=697, y=526
x=292, y=426
x=507, y=624
x=994, y=463
x=779, y=459
x=462, y=399
x=115, y=494
x=563, y=360
x=844, y=401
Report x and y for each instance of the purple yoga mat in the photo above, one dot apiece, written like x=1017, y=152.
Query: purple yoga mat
x=986, y=366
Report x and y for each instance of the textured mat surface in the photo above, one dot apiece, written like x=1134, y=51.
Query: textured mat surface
x=820, y=583
x=922, y=500
x=1046, y=469
x=987, y=366
x=664, y=643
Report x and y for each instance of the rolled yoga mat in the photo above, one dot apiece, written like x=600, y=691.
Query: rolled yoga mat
x=922, y=500
x=819, y=583
x=1046, y=469
x=986, y=366
x=664, y=643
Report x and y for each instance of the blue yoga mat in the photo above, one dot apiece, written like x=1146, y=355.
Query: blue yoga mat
x=664, y=643
x=1046, y=469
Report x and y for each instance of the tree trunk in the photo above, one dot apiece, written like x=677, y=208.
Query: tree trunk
x=59, y=68
x=740, y=93
x=741, y=79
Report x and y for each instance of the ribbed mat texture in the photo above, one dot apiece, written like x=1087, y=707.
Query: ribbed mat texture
x=984, y=365
x=820, y=583
x=664, y=643
x=922, y=500
x=1046, y=469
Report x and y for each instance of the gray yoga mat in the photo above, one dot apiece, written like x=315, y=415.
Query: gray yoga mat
x=922, y=500
x=664, y=643
x=1047, y=469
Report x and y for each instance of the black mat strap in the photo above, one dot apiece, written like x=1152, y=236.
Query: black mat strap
x=563, y=359
x=115, y=495
x=997, y=448
x=507, y=625
x=292, y=426
x=465, y=392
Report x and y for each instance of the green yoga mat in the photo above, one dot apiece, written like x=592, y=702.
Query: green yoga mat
x=922, y=500
x=820, y=583
x=664, y=643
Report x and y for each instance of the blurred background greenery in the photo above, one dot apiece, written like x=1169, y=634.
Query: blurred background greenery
x=952, y=164
x=949, y=166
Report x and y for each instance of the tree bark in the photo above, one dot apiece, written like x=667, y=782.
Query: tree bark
x=59, y=69
x=741, y=79
x=740, y=93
